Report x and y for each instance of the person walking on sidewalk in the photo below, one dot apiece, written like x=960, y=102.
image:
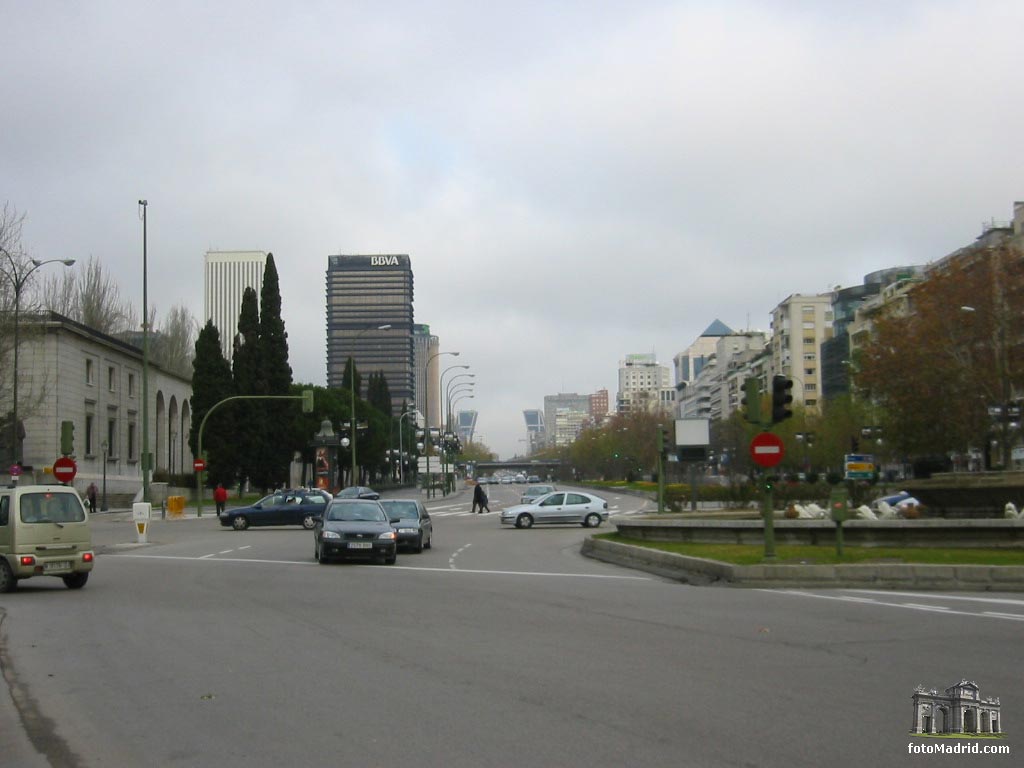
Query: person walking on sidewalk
x=479, y=500
x=90, y=493
x=220, y=496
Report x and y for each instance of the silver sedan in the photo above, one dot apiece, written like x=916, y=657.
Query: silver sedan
x=559, y=507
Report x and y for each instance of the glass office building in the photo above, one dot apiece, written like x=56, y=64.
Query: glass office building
x=363, y=293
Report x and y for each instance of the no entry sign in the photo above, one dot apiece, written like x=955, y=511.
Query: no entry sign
x=767, y=449
x=199, y=465
x=65, y=469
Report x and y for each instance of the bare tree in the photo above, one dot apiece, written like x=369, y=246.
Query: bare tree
x=89, y=296
x=175, y=340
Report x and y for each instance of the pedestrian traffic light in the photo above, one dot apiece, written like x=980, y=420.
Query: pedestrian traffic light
x=752, y=400
x=781, y=398
x=67, y=438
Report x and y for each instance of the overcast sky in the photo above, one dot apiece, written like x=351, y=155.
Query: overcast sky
x=573, y=181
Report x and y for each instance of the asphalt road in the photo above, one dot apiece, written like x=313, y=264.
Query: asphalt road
x=497, y=647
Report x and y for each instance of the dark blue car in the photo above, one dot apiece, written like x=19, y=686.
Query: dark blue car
x=296, y=507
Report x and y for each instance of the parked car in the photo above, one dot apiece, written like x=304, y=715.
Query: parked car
x=534, y=492
x=357, y=492
x=354, y=529
x=533, y=479
x=44, y=531
x=411, y=522
x=558, y=507
x=300, y=506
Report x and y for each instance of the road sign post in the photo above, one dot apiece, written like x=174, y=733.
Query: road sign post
x=767, y=450
x=65, y=469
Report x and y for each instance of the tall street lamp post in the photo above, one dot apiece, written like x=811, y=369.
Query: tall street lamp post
x=401, y=451
x=18, y=276
x=426, y=407
x=146, y=456
x=352, y=388
x=106, y=448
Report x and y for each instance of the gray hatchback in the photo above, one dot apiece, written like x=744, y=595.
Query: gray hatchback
x=356, y=529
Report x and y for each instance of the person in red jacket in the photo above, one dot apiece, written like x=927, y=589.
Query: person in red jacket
x=220, y=496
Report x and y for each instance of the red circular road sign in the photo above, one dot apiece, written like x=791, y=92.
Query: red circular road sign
x=766, y=449
x=65, y=469
x=15, y=470
x=199, y=465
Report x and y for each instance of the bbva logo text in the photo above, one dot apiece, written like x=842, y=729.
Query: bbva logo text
x=383, y=261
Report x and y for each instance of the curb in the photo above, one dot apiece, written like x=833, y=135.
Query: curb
x=700, y=572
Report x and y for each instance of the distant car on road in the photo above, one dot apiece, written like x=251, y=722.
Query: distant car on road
x=354, y=529
x=558, y=507
x=534, y=492
x=294, y=507
x=357, y=492
x=411, y=522
x=533, y=479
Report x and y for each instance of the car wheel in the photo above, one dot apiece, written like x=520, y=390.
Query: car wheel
x=593, y=520
x=7, y=581
x=524, y=521
x=418, y=546
x=429, y=542
x=309, y=522
x=391, y=559
x=75, y=580
x=240, y=523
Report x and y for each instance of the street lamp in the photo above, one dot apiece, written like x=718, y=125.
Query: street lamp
x=442, y=420
x=146, y=456
x=106, y=447
x=352, y=388
x=18, y=277
x=447, y=393
x=426, y=406
x=401, y=452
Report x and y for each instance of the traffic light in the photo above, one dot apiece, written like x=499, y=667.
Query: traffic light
x=67, y=438
x=668, y=439
x=781, y=398
x=752, y=400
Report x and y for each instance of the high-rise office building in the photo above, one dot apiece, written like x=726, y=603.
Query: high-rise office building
x=226, y=275
x=364, y=293
x=425, y=347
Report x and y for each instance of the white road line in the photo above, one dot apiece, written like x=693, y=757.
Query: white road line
x=996, y=600
x=248, y=546
x=906, y=606
x=383, y=569
x=225, y=551
x=456, y=553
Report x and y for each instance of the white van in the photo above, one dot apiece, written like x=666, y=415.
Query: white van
x=44, y=531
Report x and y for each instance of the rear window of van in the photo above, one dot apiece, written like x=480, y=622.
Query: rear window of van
x=51, y=508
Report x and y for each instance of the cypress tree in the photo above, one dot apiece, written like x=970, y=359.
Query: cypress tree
x=276, y=378
x=249, y=432
x=211, y=383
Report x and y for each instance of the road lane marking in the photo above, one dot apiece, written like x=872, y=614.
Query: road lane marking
x=451, y=560
x=214, y=558
x=906, y=606
x=996, y=600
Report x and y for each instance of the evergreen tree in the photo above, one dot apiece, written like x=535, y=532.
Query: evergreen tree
x=379, y=394
x=276, y=378
x=249, y=432
x=211, y=383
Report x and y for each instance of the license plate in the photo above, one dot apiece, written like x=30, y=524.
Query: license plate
x=360, y=545
x=57, y=565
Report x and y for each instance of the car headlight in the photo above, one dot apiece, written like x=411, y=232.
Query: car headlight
x=408, y=530
x=387, y=536
x=331, y=535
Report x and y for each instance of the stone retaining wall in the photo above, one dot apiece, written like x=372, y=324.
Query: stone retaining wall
x=863, y=533
x=698, y=571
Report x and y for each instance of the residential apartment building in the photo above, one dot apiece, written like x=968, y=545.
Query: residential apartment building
x=800, y=325
x=644, y=385
x=363, y=293
x=226, y=275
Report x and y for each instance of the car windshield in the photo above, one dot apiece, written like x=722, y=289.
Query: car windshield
x=355, y=512
x=51, y=508
x=404, y=510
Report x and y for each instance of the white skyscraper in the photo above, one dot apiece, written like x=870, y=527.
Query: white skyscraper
x=227, y=274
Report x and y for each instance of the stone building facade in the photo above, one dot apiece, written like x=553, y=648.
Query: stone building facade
x=960, y=709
